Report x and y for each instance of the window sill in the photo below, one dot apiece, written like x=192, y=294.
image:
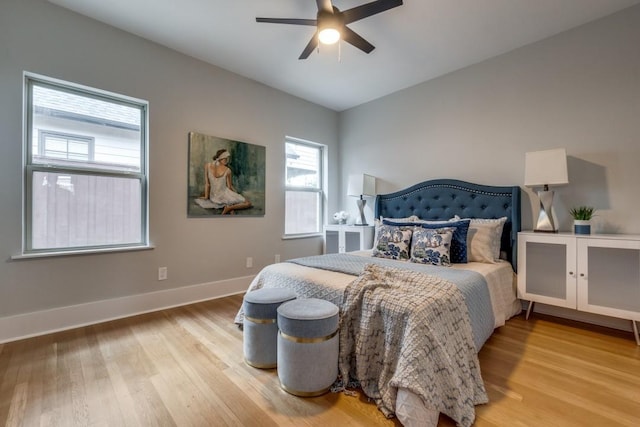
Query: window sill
x=81, y=252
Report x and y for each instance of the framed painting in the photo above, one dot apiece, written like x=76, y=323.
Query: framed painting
x=226, y=177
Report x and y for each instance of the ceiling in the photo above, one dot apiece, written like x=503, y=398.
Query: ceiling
x=415, y=42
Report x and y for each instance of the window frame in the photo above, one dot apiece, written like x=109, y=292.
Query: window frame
x=72, y=167
x=320, y=190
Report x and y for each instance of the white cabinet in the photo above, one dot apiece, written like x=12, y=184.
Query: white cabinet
x=591, y=273
x=347, y=238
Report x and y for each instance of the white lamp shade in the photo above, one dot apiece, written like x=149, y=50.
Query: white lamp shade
x=361, y=185
x=548, y=167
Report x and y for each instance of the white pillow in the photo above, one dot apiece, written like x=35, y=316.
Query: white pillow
x=484, y=238
x=412, y=218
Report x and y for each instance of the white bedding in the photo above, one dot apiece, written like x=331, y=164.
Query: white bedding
x=330, y=285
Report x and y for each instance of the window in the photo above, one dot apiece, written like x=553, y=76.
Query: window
x=61, y=146
x=304, y=187
x=85, y=168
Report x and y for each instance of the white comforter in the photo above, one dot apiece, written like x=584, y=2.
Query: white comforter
x=330, y=285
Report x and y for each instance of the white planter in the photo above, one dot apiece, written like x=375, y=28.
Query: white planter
x=581, y=226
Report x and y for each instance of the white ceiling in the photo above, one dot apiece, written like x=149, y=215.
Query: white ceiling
x=418, y=41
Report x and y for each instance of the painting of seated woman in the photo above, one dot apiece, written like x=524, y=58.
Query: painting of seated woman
x=226, y=177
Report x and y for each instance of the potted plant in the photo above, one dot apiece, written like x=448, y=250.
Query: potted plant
x=582, y=219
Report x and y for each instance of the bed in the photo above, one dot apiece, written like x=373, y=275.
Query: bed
x=429, y=321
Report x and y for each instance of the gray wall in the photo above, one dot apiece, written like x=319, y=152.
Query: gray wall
x=579, y=90
x=184, y=95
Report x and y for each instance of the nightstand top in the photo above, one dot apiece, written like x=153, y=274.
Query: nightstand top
x=338, y=226
x=582, y=236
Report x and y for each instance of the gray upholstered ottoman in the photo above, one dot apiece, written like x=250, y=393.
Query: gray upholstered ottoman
x=307, y=346
x=260, y=330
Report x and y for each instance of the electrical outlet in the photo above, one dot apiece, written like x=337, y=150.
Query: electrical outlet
x=249, y=262
x=162, y=273
x=277, y=258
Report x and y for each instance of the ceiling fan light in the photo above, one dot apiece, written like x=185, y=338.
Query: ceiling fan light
x=328, y=36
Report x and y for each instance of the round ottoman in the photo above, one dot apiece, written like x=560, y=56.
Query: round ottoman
x=260, y=330
x=307, y=346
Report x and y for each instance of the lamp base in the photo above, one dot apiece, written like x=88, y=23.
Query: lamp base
x=361, y=203
x=545, y=223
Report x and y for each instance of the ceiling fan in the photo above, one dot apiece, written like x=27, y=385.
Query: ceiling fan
x=331, y=23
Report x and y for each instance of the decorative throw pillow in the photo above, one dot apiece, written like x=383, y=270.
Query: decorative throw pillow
x=459, y=240
x=393, y=242
x=431, y=246
x=379, y=221
x=484, y=239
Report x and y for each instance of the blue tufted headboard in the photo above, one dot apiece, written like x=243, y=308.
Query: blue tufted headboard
x=441, y=199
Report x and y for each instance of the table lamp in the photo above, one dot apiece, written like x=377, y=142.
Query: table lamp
x=543, y=169
x=359, y=186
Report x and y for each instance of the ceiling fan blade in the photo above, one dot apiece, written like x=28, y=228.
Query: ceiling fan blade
x=294, y=21
x=324, y=5
x=310, y=46
x=353, y=38
x=359, y=12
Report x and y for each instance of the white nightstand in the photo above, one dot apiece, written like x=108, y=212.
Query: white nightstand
x=595, y=273
x=347, y=238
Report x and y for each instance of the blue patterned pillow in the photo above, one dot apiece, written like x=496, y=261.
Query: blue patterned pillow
x=393, y=242
x=431, y=246
x=459, y=239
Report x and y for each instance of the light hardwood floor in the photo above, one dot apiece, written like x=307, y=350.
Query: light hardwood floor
x=184, y=367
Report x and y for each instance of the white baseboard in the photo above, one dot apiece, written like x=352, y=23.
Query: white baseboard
x=580, y=316
x=27, y=325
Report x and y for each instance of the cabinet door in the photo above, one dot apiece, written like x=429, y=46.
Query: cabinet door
x=331, y=241
x=352, y=239
x=609, y=277
x=546, y=269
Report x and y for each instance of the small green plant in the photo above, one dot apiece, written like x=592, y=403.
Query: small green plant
x=582, y=213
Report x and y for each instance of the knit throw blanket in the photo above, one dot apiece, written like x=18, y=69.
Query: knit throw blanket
x=407, y=329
